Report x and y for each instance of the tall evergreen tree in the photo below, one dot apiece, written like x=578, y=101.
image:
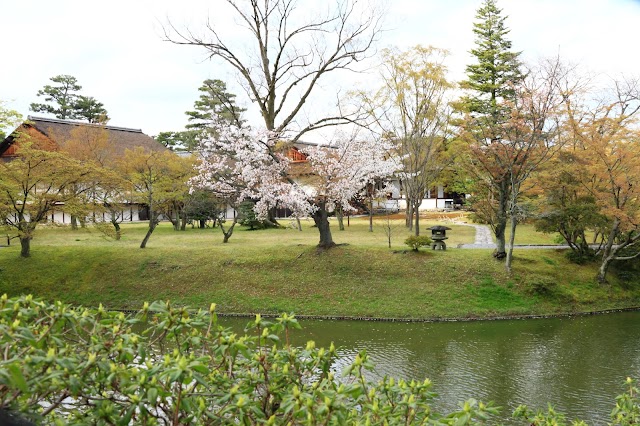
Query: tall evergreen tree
x=88, y=108
x=491, y=88
x=66, y=104
x=216, y=107
x=62, y=95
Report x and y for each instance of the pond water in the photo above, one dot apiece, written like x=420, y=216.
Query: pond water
x=577, y=364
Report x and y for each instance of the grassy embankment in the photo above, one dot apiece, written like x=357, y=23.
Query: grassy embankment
x=280, y=270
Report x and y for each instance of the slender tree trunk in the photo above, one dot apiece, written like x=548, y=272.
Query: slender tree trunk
x=299, y=224
x=321, y=219
x=388, y=230
x=25, y=246
x=409, y=218
x=340, y=217
x=512, y=237
x=229, y=232
x=174, y=217
x=604, y=267
x=501, y=222
x=74, y=222
x=153, y=222
x=116, y=226
x=370, y=214
x=416, y=211
x=183, y=224
x=609, y=253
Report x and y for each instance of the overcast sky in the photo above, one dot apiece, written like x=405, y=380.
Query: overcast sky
x=116, y=52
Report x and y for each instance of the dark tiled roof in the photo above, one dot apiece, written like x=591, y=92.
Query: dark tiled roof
x=59, y=131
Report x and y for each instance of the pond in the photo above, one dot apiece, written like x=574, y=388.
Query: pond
x=577, y=364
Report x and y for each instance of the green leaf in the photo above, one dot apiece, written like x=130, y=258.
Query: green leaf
x=17, y=378
x=152, y=395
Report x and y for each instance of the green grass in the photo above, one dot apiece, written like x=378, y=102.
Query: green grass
x=280, y=270
x=526, y=234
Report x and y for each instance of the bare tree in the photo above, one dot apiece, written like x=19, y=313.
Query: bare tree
x=410, y=108
x=291, y=49
x=532, y=133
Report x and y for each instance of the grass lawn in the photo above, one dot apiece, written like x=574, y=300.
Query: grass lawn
x=527, y=234
x=280, y=270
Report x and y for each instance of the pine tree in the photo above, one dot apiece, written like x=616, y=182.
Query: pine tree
x=63, y=95
x=88, y=108
x=491, y=81
x=491, y=87
x=65, y=103
x=216, y=107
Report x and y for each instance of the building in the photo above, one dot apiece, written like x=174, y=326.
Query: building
x=438, y=198
x=53, y=134
x=108, y=142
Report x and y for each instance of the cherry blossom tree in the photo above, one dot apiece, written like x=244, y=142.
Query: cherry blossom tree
x=344, y=170
x=238, y=167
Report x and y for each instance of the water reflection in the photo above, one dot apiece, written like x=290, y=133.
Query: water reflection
x=576, y=364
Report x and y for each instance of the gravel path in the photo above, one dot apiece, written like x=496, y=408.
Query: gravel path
x=484, y=238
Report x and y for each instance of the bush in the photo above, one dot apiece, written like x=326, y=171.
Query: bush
x=415, y=242
x=248, y=216
x=76, y=366
x=581, y=258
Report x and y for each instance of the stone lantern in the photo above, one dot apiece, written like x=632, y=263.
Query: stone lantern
x=438, y=235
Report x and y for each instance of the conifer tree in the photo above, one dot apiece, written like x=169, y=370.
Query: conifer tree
x=63, y=96
x=214, y=108
x=491, y=88
x=65, y=103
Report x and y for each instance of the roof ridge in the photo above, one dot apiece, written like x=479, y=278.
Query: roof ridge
x=80, y=123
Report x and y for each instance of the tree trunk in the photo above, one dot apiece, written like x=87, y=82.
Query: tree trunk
x=609, y=253
x=183, y=223
x=387, y=229
x=512, y=237
x=370, y=214
x=410, y=214
x=74, y=222
x=299, y=224
x=228, y=233
x=152, y=226
x=604, y=267
x=416, y=210
x=116, y=226
x=25, y=244
x=340, y=217
x=271, y=218
x=501, y=222
x=175, y=219
x=321, y=219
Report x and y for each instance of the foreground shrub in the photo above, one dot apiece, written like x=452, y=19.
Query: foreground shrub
x=166, y=365
x=66, y=365
x=417, y=241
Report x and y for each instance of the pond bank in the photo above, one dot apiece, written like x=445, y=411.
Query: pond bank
x=415, y=320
